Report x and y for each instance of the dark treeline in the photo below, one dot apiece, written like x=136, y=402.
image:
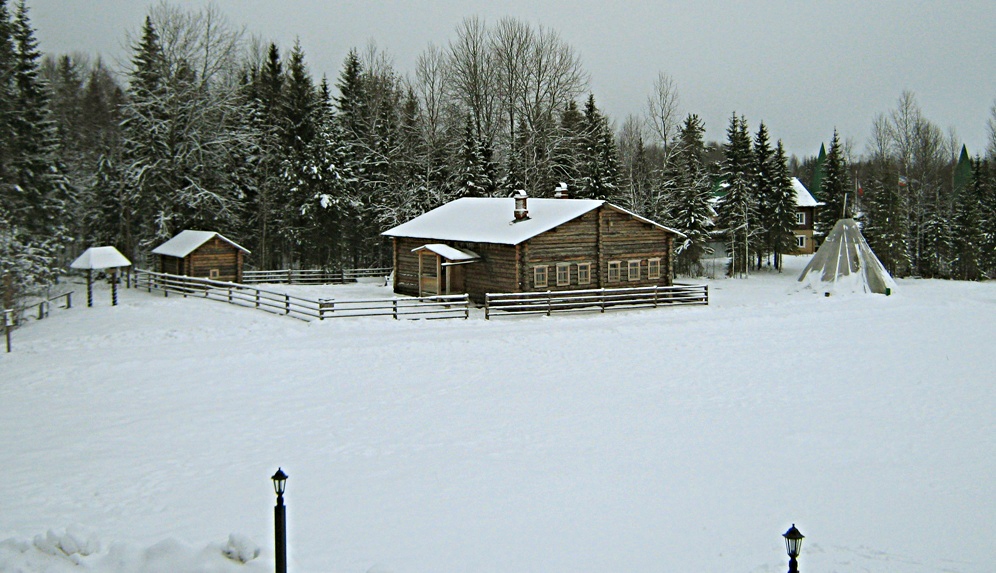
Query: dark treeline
x=206, y=128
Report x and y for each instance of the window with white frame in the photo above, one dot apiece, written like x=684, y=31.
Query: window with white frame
x=633, y=270
x=584, y=273
x=539, y=276
x=614, y=271
x=800, y=241
x=653, y=268
x=563, y=274
x=800, y=218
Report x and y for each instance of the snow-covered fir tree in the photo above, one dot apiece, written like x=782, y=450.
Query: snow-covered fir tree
x=737, y=209
x=472, y=179
x=765, y=190
x=833, y=188
x=885, y=222
x=178, y=123
x=781, y=235
x=691, y=204
x=968, y=239
x=599, y=163
x=33, y=189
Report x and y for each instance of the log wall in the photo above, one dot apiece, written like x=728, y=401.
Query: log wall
x=625, y=238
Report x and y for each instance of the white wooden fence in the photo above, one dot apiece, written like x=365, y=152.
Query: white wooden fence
x=312, y=276
x=591, y=300
x=434, y=307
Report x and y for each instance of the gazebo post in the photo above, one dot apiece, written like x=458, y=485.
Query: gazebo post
x=89, y=287
x=114, y=287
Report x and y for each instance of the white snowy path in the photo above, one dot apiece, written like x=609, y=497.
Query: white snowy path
x=659, y=440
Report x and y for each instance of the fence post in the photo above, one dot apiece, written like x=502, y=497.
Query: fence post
x=323, y=305
x=394, y=308
x=487, y=309
x=601, y=299
x=69, y=299
x=466, y=306
x=655, y=296
x=549, y=302
x=8, y=321
x=229, y=295
x=257, y=297
x=290, y=276
x=286, y=304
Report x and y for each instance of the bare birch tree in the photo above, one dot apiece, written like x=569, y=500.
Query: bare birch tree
x=663, y=114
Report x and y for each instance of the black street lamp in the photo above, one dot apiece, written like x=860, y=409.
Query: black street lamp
x=793, y=544
x=280, y=520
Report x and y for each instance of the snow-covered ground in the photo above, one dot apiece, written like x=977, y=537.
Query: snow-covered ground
x=141, y=438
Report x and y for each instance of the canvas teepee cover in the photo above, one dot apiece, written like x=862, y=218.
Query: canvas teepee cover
x=845, y=263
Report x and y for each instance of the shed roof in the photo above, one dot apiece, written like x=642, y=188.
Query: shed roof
x=491, y=220
x=803, y=198
x=189, y=241
x=450, y=253
x=100, y=258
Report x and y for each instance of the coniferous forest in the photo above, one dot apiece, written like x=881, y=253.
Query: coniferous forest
x=208, y=128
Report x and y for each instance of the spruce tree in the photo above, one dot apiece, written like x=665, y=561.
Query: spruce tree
x=144, y=139
x=566, y=164
x=967, y=232
x=691, y=206
x=599, y=165
x=885, y=225
x=765, y=190
x=298, y=106
x=472, y=179
x=835, y=189
x=816, y=183
x=983, y=187
x=737, y=210
x=781, y=235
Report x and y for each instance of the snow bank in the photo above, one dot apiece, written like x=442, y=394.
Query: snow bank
x=74, y=550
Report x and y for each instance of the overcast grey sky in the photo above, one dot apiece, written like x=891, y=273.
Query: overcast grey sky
x=802, y=67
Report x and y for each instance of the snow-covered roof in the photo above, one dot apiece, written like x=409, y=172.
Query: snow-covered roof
x=491, y=220
x=100, y=258
x=803, y=198
x=450, y=253
x=188, y=241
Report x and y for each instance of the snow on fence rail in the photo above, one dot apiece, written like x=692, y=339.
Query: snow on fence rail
x=434, y=307
x=312, y=276
x=591, y=300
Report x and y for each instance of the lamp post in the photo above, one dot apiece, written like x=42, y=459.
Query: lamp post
x=793, y=544
x=280, y=520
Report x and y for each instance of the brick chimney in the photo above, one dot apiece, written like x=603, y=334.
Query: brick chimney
x=561, y=191
x=521, y=212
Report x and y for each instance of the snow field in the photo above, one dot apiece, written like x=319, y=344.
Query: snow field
x=666, y=440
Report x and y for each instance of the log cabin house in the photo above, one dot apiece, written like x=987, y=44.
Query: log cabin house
x=512, y=245
x=201, y=254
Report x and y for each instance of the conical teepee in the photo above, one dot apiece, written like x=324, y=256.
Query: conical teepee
x=845, y=263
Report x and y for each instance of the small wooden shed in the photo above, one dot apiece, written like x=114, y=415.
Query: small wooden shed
x=204, y=254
